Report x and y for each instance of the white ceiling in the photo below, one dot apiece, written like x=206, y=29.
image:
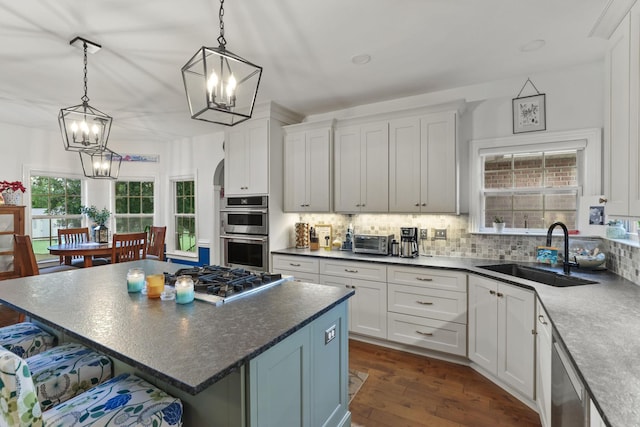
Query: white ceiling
x=304, y=46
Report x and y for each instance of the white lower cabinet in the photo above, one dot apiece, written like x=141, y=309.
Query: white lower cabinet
x=368, y=307
x=303, y=269
x=543, y=364
x=595, y=420
x=501, y=332
x=427, y=308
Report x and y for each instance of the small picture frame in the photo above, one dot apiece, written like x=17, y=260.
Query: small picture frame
x=529, y=113
x=322, y=231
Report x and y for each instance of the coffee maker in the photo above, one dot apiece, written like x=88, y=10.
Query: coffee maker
x=408, y=242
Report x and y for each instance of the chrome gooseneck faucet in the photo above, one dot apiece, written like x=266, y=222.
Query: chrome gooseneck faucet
x=566, y=263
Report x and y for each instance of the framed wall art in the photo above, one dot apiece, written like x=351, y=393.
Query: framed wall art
x=529, y=112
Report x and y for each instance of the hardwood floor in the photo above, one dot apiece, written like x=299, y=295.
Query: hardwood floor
x=404, y=389
x=7, y=316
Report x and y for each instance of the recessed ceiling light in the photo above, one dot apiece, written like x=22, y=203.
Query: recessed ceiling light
x=361, y=59
x=532, y=45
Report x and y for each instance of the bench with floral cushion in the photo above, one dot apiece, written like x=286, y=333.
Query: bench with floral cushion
x=125, y=400
x=26, y=339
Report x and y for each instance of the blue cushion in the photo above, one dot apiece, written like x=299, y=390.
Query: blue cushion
x=125, y=400
x=26, y=339
x=65, y=371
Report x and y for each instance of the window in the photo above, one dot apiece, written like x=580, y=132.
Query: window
x=533, y=180
x=531, y=190
x=55, y=203
x=134, y=206
x=184, y=212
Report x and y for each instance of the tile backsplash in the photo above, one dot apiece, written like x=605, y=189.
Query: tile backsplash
x=622, y=259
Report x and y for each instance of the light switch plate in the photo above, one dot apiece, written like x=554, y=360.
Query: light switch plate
x=441, y=234
x=423, y=234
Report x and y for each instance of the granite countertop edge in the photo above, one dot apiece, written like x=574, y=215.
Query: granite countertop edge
x=590, y=320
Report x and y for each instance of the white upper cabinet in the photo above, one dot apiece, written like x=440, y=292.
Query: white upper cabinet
x=246, y=167
x=423, y=172
x=622, y=118
x=307, y=169
x=361, y=168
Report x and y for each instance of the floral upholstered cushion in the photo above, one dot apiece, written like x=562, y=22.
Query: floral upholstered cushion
x=18, y=401
x=65, y=371
x=125, y=400
x=26, y=339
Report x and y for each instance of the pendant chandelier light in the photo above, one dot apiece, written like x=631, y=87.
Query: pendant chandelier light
x=100, y=164
x=221, y=87
x=84, y=127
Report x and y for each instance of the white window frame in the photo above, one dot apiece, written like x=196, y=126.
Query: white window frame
x=156, y=192
x=170, y=241
x=587, y=141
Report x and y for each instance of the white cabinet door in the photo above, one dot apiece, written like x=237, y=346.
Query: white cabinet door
x=483, y=323
x=347, y=170
x=617, y=121
x=501, y=327
x=595, y=420
x=439, y=179
x=307, y=156
x=369, y=308
x=247, y=159
x=543, y=364
x=516, y=337
x=296, y=182
x=404, y=165
x=362, y=168
x=634, y=117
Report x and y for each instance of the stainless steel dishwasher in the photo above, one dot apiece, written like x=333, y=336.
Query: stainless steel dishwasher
x=568, y=395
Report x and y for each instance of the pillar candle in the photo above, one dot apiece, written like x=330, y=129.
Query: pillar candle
x=184, y=290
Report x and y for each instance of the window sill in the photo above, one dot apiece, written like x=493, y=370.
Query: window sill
x=532, y=233
x=628, y=242
x=186, y=256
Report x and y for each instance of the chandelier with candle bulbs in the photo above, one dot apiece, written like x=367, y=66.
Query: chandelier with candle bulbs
x=221, y=86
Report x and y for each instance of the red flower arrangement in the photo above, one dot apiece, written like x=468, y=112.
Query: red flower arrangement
x=6, y=186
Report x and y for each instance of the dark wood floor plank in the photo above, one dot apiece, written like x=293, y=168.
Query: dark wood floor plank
x=405, y=389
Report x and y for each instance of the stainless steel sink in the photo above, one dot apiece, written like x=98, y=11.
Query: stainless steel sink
x=538, y=275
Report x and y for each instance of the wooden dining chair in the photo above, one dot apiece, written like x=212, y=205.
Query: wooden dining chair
x=128, y=247
x=155, y=246
x=67, y=236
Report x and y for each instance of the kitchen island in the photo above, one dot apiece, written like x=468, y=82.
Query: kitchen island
x=208, y=356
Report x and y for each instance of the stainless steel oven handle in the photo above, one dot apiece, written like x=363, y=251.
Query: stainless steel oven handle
x=244, y=237
x=245, y=210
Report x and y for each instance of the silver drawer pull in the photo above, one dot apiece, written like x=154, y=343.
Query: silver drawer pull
x=541, y=319
x=350, y=271
x=349, y=286
x=492, y=292
x=424, y=279
x=294, y=265
x=424, y=302
x=426, y=334
x=500, y=294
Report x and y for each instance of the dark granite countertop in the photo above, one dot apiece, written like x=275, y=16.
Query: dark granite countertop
x=599, y=324
x=190, y=346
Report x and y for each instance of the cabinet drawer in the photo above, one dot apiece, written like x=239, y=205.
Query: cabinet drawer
x=298, y=264
x=354, y=270
x=428, y=277
x=426, y=302
x=300, y=277
x=432, y=334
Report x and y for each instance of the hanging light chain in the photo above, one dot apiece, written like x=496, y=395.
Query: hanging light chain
x=85, y=98
x=221, y=40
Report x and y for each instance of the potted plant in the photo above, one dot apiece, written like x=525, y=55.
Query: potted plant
x=99, y=217
x=12, y=192
x=498, y=224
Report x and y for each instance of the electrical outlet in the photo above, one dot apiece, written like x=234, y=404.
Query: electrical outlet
x=423, y=234
x=329, y=334
x=441, y=234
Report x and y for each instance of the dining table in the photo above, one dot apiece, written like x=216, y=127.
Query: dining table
x=87, y=250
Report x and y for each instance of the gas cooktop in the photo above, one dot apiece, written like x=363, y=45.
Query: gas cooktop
x=218, y=285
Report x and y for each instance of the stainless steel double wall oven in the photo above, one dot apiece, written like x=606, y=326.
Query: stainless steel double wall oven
x=245, y=232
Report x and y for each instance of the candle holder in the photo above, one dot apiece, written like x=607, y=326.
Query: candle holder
x=184, y=290
x=135, y=280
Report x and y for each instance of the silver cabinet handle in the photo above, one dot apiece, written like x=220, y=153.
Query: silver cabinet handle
x=350, y=271
x=417, y=204
x=492, y=292
x=500, y=294
x=349, y=286
x=358, y=205
x=424, y=279
x=426, y=334
x=424, y=302
x=424, y=204
x=294, y=265
x=541, y=319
